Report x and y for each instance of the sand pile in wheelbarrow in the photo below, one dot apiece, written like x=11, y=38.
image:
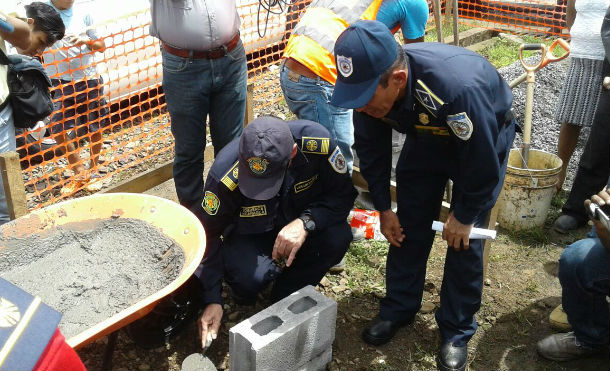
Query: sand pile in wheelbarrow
x=90, y=271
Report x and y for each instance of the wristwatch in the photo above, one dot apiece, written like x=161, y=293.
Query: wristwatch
x=308, y=223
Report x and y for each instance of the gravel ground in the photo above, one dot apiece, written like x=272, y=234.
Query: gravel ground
x=545, y=129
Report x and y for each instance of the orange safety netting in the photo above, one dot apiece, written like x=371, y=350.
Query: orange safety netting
x=121, y=127
x=534, y=17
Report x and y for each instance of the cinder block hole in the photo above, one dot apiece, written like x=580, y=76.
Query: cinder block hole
x=302, y=305
x=267, y=325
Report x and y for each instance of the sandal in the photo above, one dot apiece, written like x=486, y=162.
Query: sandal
x=71, y=187
x=95, y=183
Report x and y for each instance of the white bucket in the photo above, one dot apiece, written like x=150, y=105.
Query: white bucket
x=527, y=193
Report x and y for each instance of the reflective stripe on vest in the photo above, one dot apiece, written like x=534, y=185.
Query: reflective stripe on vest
x=313, y=40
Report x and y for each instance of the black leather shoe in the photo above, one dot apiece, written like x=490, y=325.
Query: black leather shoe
x=452, y=358
x=566, y=223
x=381, y=331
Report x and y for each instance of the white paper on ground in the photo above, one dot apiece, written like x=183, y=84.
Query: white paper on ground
x=475, y=234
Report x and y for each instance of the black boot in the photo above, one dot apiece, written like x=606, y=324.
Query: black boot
x=381, y=331
x=452, y=358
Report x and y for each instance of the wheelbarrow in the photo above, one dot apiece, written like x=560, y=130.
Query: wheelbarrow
x=169, y=217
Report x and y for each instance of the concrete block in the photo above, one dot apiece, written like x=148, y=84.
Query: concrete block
x=318, y=363
x=286, y=335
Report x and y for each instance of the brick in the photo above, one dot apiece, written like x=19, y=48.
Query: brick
x=318, y=363
x=286, y=335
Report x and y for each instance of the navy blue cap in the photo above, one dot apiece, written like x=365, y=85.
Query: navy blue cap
x=363, y=52
x=265, y=149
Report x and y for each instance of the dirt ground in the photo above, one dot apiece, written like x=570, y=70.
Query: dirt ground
x=521, y=289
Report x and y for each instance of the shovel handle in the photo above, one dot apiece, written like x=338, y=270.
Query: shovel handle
x=550, y=57
x=532, y=67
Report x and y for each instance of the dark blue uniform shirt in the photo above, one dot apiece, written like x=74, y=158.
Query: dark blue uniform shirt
x=316, y=182
x=453, y=93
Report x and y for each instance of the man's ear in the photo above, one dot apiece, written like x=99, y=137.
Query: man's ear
x=30, y=21
x=399, y=77
x=294, y=151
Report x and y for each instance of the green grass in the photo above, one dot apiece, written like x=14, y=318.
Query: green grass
x=533, y=237
x=366, y=260
x=505, y=51
x=447, y=31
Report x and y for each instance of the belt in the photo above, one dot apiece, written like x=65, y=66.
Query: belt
x=297, y=68
x=215, y=53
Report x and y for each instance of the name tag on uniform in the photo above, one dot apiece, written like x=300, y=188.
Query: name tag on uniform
x=305, y=185
x=253, y=211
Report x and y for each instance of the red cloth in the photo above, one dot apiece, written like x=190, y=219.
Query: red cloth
x=58, y=355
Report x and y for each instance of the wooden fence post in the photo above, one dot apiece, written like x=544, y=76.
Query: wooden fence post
x=12, y=180
x=249, y=105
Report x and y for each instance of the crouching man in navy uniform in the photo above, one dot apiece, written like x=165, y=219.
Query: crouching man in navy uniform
x=279, y=194
x=455, y=109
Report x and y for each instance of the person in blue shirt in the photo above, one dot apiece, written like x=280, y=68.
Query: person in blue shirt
x=411, y=16
x=455, y=109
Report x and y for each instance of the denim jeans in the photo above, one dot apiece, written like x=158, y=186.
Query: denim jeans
x=584, y=273
x=7, y=143
x=309, y=99
x=194, y=89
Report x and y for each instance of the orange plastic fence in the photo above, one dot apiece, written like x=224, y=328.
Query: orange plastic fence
x=129, y=105
x=534, y=17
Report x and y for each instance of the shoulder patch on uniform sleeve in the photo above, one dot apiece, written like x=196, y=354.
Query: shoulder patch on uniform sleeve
x=315, y=145
x=427, y=98
x=253, y=211
x=461, y=125
x=230, y=178
x=337, y=161
x=210, y=203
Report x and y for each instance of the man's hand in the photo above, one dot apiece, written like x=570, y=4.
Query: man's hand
x=77, y=40
x=289, y=241
x=601, y=199
x=209, y=322
x=390, y=227
x=456, y=234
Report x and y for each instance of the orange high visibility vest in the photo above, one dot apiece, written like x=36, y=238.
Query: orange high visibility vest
x=313, y=39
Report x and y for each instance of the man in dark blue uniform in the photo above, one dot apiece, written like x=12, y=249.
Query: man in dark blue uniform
x=279, y=194
x=455, y=109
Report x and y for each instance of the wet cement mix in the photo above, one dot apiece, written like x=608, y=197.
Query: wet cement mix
x=90, y=271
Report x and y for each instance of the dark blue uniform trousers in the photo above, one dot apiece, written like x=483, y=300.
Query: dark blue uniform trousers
x=249, y=267
x=423, y=169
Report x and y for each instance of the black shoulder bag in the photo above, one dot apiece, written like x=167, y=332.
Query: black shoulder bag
x=29, y=93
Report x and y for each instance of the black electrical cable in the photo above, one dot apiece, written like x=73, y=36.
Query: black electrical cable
x=268, y=5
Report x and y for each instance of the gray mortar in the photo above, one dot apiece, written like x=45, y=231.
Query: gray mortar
x=545, y=129
x=91, y=271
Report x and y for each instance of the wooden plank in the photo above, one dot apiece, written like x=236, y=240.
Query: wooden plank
x=152, y=178
x=14, y=188
x=249, y=105
x=438, y=21
x=491, y=224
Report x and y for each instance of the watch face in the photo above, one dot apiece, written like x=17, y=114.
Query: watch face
x=310, y=225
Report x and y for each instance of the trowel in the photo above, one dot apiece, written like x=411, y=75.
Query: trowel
x=198, y=361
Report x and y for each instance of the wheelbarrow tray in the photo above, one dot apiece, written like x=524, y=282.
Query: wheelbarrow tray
x=172, y=219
